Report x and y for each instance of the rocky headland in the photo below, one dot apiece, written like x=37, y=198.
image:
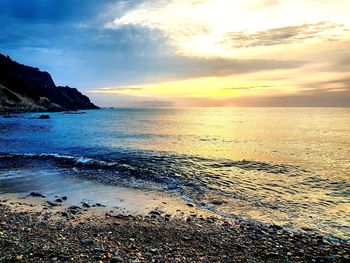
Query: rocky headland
x=27, y=89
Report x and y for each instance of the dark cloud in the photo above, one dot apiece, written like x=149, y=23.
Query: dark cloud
x=342, y=65
x=122, y=100
x=277, y=36
x=67, y=39
x=315, y=98
x=51, y=11
x=152, y=103
x=184, y=67
x=318, y=94
x=329, y=85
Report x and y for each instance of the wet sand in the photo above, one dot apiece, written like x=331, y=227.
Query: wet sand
x=35, y=230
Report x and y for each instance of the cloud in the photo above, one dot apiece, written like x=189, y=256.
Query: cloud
x=122, y=100
x=283, y=35
x=328, y=85
x=250, y=87
x=152, y=103
x=265, y=4
x=244, y=47
x=180, y=67
x=116, y=89
x=342, y=65
x=314, y=98
x=221, y=28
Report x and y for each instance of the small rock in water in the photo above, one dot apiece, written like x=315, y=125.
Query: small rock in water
x=64, y=198
x=8, y=116
x=58, y=200
x=44, y=117
x=86, y=205
x=35, y=194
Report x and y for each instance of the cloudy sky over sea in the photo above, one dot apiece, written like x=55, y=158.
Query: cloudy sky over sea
x=187, y=52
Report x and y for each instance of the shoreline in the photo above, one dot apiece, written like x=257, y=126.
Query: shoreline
x=32, y=230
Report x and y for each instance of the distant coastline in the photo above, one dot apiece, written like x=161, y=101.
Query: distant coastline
x=27, y=89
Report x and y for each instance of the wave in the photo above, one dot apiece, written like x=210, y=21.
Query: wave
x=65, y=159
x=187, y=160
x=185, y=174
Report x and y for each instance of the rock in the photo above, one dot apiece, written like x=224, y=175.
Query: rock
x=190, y=205
x=44, y=117
x=74, y=112
x=217, y=202
x=52, y=203
x=58, y=200
x=98, y=250
x=35, y=194
x=74, y=207
x=65, y=214
x=19, y=258
x=276, y=227
x=116, y=260
x=87, y=242
x=64, y=198
x=86, y=205
x=153, y=250
x=24, y=89
x=156, y=213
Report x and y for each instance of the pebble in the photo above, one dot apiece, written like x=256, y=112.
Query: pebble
x=52, y=203
x=87, y=241
x=217, y=202
x=156, y=213
x=98, y=250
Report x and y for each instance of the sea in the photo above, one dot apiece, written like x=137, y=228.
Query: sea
x=283, y=166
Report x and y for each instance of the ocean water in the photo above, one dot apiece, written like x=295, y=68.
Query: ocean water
x=285, y=166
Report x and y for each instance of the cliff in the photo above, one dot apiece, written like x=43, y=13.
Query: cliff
x=24, y=88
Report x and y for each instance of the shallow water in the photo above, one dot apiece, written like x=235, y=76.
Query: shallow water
x=288, y=166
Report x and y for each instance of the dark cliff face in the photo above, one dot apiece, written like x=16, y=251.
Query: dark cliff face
x=24, y=88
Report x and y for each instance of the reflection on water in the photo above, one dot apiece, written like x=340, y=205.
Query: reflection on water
x=289, y=166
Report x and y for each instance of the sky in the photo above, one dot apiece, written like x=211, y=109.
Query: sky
x=187, y=53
